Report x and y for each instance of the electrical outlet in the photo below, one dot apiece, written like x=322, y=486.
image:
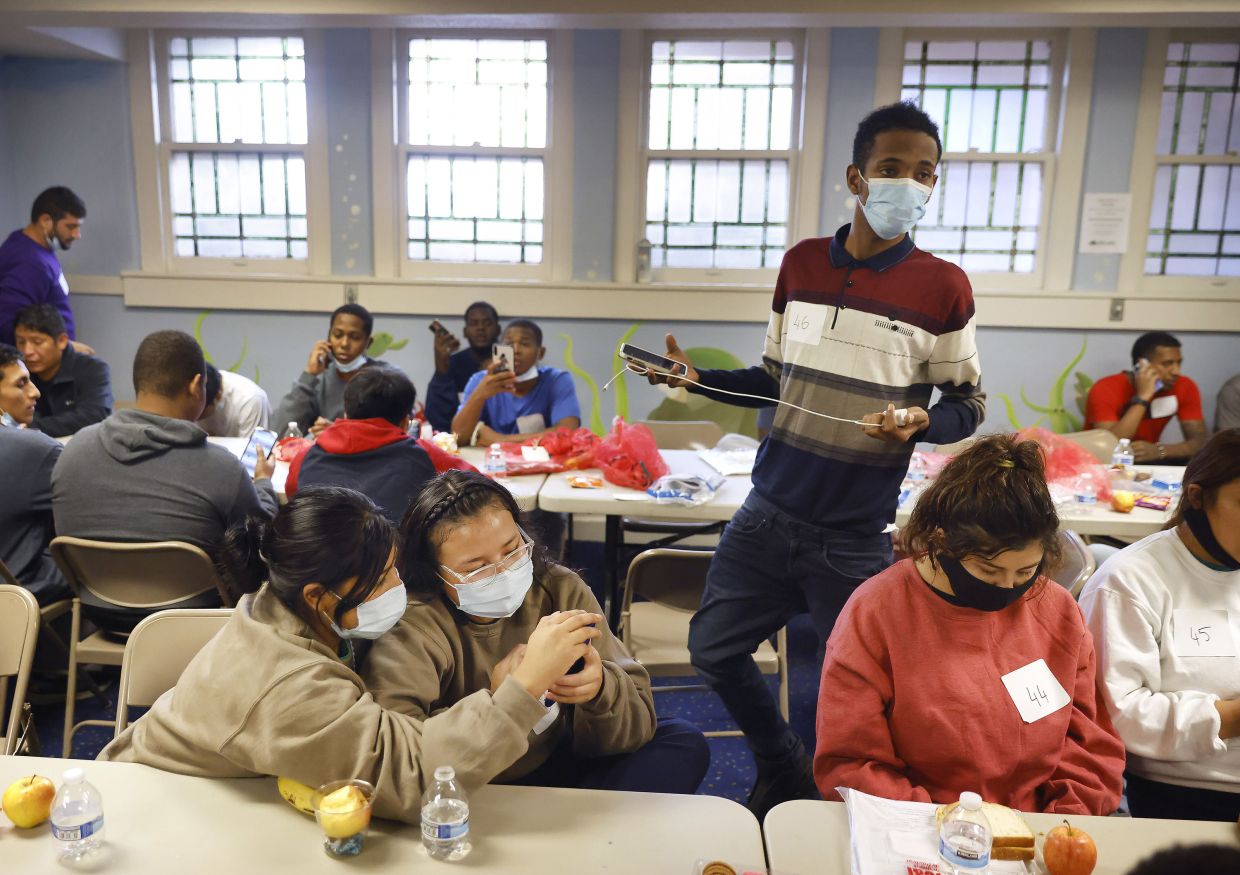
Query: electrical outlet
x=1117, y=310
x=350, y=294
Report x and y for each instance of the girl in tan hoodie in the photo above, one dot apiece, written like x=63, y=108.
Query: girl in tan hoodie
x=277, y=692
x=482, y=593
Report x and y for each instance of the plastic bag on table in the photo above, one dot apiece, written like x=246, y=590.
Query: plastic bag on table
x=1069, y=464
x=289, y=448
x=629, y=456
x=687, y=490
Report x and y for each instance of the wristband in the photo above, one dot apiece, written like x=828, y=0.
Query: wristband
x=473, y=438
x=1162, y=451
x=1137, y=399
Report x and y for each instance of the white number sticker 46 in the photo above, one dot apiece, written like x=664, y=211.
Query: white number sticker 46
x=805, y=322
x=1035, y=691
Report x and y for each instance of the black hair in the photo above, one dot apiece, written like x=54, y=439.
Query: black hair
x=451, y=498
x=903, y=116
x=43, y=318
x=9, y=355
x=1200, y=859
x=529, y=325
x=378, y=392
x=57, y=202
x=1211, y=468
x=166, y=363
x=213, y=382
x=482, y=305
x=1145, y=345
x=368, y=321
x=325, y=535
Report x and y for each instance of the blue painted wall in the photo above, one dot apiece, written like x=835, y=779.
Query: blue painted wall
x=68, y=122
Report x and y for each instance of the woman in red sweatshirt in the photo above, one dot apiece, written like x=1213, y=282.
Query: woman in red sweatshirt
x=964, y=667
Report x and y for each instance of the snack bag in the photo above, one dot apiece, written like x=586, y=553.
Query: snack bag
x=629, y=456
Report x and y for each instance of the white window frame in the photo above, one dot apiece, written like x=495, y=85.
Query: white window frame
x=314, y=152
x=804, y=156
x=1067, y=115
x=1145, y=163
x=390, y=124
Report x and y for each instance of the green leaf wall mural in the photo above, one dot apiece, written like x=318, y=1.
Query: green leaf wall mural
x=1055, y=414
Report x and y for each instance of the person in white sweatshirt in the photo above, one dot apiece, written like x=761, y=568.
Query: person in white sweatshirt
x=1165, y=616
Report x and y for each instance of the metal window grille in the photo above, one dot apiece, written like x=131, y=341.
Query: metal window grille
x=719, y=152
x=1195, y=213
x=990, y=99
x=227, y=92
x=476, y=135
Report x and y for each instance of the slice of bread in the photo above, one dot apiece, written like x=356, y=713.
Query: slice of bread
x=1011, y=837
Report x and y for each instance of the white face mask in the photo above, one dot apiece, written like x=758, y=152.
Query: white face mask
x=531, y=374
x=499, y=596
x=377, y=616
x=7, y=421
x=352, y=366
x=894, y=206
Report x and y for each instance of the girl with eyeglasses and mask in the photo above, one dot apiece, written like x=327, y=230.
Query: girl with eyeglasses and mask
x=964, y=667
x=277, y=690
x=491, y=615
x=1165, y=615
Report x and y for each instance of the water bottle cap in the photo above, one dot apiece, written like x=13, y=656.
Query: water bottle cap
x=445, y=773
x=497, y=447
x=292, y=423
x=73, y=776
x=971, y=801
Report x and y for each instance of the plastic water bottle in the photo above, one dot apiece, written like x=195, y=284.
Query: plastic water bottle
x=77, y=817
x=1122, y=457
x=964, y=837
x=293, y=430
x=445, y=818
x=427, y=431
x=1086, y=492
x=495, y=464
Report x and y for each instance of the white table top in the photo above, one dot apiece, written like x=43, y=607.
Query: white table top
x=524, y=488
x=159, y=822
x=808, y=838
x=558, y=495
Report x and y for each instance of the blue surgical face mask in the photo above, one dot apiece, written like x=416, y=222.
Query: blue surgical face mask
x=894, y=206
x=498, y=596
x=377, y=616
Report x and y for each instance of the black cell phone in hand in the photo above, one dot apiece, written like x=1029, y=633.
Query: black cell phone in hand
x=580, y=664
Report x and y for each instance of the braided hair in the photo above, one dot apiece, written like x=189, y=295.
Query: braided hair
x=449, y=500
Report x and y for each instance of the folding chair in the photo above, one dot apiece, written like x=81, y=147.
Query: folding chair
x=1078, y=563
x=145, y=576
x=19, y=631
x=157, y=652
x=656, y=631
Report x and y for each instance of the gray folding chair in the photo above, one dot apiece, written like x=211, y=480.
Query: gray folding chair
x=19, y=631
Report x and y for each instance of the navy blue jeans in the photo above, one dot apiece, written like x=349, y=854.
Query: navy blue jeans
x=768, y=568
x=675, y=760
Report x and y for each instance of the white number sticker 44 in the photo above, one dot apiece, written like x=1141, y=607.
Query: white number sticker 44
x=1035, y=691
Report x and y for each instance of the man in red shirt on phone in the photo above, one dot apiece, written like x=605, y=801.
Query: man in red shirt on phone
x=1138, y=404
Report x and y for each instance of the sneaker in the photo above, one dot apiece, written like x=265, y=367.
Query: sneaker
x=782, y=780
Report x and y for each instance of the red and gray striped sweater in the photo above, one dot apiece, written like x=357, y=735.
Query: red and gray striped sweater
x=845, y=338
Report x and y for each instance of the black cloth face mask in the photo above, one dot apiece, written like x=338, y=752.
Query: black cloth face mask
x=1199, y=525
x=973, y=592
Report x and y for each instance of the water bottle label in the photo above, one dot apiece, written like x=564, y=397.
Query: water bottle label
x=964, y=858
x=446, y=831
x=79, y=832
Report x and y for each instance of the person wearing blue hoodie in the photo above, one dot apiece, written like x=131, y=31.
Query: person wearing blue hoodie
x=370, y=450
x=149, y=474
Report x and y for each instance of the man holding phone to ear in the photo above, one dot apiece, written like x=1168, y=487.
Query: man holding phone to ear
x=1138, y=404
x=861, y=322
x=454, y=366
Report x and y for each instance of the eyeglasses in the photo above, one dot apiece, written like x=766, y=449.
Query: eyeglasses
x=486, y=572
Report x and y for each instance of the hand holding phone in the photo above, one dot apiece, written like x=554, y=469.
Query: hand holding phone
x=502, y=356
x=263, y=440
x=667, y=368
x=444, y=345
x=320, y=357
x=1145, y=379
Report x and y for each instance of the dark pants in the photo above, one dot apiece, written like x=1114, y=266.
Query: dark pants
x=768, y=568
x=675, y=760
x=1148, y=798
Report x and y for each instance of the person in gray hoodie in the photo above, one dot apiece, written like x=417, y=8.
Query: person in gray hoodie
x=149, y=474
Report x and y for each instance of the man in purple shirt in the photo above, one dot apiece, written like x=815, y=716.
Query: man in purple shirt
x=29, y=270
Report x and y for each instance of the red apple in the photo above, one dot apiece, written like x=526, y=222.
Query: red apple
x=1069, y=851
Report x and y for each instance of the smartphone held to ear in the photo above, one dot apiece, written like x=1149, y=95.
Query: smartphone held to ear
x=263, y=439
x=1141, y=363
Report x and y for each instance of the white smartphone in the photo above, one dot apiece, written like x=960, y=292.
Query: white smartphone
x=263, y=439
x=1158, y=384
x=503, y=354
x=646, y=360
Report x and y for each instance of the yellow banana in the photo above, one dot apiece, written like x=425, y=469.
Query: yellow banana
x=297, y=794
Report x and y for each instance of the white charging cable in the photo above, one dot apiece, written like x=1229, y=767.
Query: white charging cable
x=901, y=415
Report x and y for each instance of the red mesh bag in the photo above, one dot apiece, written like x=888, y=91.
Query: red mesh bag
x=629, y=456
x=1066, y=462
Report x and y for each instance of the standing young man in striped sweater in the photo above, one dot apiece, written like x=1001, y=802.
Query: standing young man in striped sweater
x=861, y=322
